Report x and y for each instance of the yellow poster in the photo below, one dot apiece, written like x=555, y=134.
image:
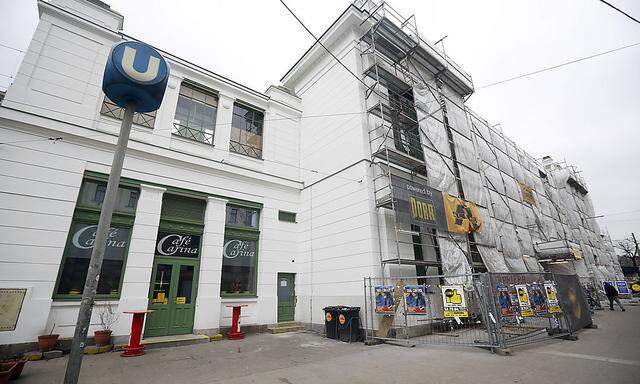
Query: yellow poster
x=181, y=300
x=462, y=216
x=527, y=193
x=454, y=301
x=523, y=300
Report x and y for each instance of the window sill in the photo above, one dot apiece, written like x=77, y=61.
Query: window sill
x=76, y=302
x=239, y=299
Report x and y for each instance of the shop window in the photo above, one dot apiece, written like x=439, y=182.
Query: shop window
x=246, y=130
x=77, y=252
x=289, y=217
x=240, y=252
x=242, y=217
x=75, y=263
x=110, y=109
x=195, y=117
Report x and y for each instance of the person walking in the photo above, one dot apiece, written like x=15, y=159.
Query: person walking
x=612, y=295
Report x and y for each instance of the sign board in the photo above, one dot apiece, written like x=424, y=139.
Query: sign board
x=622, y=287
x=538, y=298
x=454, y=301
x=523, y=300
x=635, y=287
x=424, y=206
x=10, y=306
x=177, y=245
x=527, y=193
x=415, y=299
x=507, y=300
x=135, y=72
x=418, y=204
x=384, y=299
x=552, y=298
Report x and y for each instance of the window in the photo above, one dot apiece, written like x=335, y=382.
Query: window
x=287, y=216
x=242, y=217
x=196, y=114
x=77, y=253
x=240, y=252
x=246, y=131
x=109, y=108
x=406, y=134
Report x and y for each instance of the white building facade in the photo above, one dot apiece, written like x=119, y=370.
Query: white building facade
x=270, y=200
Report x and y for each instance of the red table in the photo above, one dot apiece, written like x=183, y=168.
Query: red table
x=235, y=333
x=134, y=348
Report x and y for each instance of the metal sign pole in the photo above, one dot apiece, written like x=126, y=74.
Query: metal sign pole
x=97, y=254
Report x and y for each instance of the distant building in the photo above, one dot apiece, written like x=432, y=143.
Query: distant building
x=282, y=201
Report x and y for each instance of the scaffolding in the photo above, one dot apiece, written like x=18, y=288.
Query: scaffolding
x=421, y=130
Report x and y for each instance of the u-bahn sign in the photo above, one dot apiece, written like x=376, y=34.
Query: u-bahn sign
x=426, y=207
x=135, y=72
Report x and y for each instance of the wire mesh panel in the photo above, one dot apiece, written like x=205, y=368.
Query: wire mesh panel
x=482, y=310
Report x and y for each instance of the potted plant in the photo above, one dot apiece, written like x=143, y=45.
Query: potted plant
x=48, y=342
x=108, y=317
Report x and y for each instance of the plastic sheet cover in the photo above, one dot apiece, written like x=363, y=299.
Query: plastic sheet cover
x=488, y=234
x=457, y=118
x=433, y=135
x=465, y=153
x=474, y=191
x=511, y=250
x=493, y=259
x=504, y=163
x=494, y=179
x=532, y=264
x=454, y=260
x=497, y=140
x=440, y=169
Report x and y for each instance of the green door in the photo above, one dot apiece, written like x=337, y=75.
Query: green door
x=286, y=296
x=172, y=297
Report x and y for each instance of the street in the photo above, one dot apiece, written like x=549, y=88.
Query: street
x=607, y=354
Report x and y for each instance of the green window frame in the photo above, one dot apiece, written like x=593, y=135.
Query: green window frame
x=246, y=236
x=88, y=212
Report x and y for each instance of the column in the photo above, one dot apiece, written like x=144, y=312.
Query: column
x=207, y=317
x=223, y=125
x=137, y=274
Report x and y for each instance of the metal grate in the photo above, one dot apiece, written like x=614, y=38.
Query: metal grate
x=110, y=109
x=202, y=135
x=245, y=149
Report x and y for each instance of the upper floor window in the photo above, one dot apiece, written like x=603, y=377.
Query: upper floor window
x=246, y=130
x=196, y=114
x=109, y=108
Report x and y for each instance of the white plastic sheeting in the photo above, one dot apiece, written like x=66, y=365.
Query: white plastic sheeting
x=454, y=260
x=493, y=259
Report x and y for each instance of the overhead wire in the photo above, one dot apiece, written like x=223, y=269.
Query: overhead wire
x=620, y=10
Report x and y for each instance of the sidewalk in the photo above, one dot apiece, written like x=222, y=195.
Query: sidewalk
x=608, y=354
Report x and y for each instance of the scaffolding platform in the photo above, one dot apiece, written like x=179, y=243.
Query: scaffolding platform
x=420, y=263
x=387, y=79
x=401, y=158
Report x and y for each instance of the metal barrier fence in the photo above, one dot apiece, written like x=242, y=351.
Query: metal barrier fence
x=483, y=310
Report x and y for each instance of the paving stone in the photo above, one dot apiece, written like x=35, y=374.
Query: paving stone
x=52, y=354
x=33, y=355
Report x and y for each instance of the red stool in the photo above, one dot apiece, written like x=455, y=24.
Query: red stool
x=134, y=348
x=235, y=333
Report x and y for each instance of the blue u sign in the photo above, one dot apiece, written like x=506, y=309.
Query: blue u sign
x=135, y=72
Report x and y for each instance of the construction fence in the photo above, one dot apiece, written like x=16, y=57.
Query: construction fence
x=492, y=310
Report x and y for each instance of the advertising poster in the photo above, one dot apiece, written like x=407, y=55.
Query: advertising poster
x=538, y=299
x=523, y=300
x=552, y=298
x=384, y=299
x=622, y=287
x=454, y=301
x=506, y=300
x=415, y=299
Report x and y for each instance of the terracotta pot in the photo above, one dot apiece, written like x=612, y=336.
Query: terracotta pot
x=17, y=369
x=47, y=342
x=102, y=337
x=6, y=371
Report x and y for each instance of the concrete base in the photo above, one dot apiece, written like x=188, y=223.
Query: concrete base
x=56, y=353
x=174, y=341
x=95, y=349
x=33, y=355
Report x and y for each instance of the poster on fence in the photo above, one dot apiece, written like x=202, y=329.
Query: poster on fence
x=523, y=300
x=623, y=287
x=455, y=303
x=384, y=299
x=552, y=298
x=506, y=300
x=415, y=299
x=537, y=299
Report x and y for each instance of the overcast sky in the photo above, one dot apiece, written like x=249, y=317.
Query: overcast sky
x=587, y=113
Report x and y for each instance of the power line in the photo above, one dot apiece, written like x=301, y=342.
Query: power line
x=621, y=11
x=558, y=66
x=15, y=49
